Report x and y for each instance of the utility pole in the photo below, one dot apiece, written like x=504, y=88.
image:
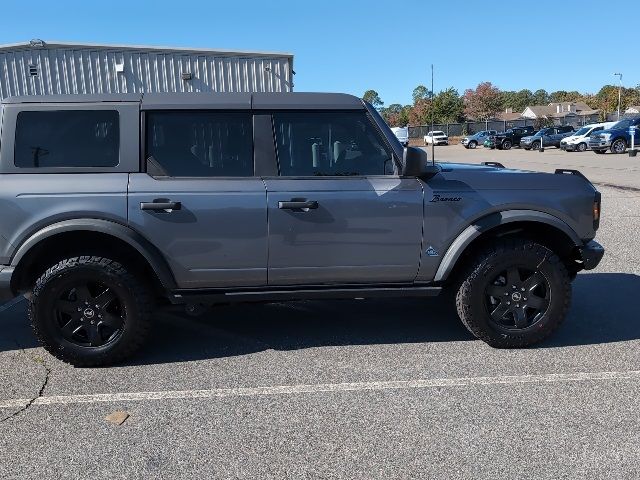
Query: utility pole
x=619, y=75
x=433, y=143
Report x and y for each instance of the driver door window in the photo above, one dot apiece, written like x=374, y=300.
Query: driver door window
x=330, y=144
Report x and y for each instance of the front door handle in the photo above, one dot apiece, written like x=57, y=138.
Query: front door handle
x=161, y=205
x=304, y=205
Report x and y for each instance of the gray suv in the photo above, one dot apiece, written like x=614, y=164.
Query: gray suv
x=114, y=206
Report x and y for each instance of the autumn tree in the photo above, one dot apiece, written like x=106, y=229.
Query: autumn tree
x=482, y=103
x=373, y=98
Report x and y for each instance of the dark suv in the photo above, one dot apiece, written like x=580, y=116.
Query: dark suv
x=114, y=206
x=508, y=139
x=547, y=137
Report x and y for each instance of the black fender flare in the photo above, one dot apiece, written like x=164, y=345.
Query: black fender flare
x=491, y=221
x=122, y=232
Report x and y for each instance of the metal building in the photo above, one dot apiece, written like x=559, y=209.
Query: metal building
x=40, y=68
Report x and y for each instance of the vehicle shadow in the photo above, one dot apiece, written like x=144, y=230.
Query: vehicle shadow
x=603, y=311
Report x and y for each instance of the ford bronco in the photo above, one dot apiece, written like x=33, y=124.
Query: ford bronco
x=113, y=206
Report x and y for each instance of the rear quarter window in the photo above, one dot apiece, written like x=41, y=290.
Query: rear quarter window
x=67, y=138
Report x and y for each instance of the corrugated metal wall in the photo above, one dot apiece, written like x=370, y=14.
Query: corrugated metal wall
x=93, y=70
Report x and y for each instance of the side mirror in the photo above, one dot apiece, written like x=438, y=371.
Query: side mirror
x=415, y=163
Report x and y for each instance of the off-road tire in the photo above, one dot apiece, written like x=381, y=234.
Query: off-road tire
x=133, y=295
x=506, y=145
x=471, y=295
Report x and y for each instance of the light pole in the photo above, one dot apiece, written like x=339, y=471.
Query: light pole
x=619, y=92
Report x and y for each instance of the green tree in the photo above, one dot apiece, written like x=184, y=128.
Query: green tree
x=541, y=97
x=483, y=102
x=448, y=106
x=522, y=99
x=373, y=98
x=420, y=93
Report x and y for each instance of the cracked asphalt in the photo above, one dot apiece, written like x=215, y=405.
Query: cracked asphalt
x=350, y=389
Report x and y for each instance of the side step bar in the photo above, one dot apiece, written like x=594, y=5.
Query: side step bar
x=213, y=296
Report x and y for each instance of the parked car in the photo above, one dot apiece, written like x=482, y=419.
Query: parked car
x=508, y=139
x=280, y=199
x=616, y=138
x=402, y=134
x=579, y=141
x=477, y=138
x=436, y=137
x=547, y=137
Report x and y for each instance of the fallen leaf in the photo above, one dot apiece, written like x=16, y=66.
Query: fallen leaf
x=117, y=418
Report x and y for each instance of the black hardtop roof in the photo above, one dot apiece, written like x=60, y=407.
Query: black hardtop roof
x=178, y=101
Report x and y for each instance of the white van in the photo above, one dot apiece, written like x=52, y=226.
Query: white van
x=403, y=135
x=579, y=141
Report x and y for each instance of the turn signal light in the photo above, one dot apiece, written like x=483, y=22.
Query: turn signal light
x=596, y=211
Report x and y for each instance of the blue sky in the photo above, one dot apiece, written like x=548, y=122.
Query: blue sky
x=351, y=46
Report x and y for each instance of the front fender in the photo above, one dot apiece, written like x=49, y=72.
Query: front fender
x=491, y=221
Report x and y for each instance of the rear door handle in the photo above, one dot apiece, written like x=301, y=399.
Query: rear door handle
x=304, y=205
x=162, y=205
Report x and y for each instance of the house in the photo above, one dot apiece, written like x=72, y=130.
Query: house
x=563, y=113
x=508, y=115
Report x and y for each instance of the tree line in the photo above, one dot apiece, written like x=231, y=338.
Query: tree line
x=487, y=101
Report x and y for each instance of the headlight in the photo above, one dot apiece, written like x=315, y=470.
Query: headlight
x=605, y=136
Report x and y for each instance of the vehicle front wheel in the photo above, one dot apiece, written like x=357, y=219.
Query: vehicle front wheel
x=619, y=146
x=516, y=294
x=581, y=147
x=90, y=311
x=506, y=145
x=535, y=145
x=473, y=144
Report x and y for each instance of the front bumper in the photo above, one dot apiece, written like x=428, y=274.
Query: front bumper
x=599, y=144
x=569, y=147
x=6, y=272
x=591, y=254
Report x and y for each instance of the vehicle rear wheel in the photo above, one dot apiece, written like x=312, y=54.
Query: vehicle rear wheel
x=619, y=146
x=473, y=144
x=90, y=311
x=506, y=145
x=516, y=294
x=581, y=147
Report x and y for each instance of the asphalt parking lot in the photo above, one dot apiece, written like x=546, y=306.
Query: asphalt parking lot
x=351, y=389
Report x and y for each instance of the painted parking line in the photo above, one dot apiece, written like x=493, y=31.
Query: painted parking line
x=322, y=388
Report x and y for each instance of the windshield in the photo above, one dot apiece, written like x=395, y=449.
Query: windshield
x=582, y=131
x=626, y=123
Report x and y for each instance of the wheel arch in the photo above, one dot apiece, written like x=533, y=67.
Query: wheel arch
x=87, y=236
x=541, y=226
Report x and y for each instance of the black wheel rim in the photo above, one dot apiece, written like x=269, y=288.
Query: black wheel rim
x=517, y=298
x=89, y=314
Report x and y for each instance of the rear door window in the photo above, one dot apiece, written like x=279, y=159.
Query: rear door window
x=67, y=138
x=200, y=143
